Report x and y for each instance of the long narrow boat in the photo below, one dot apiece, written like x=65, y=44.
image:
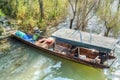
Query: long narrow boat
x=90, y=57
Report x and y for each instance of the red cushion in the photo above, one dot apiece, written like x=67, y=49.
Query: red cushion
x=49, y=41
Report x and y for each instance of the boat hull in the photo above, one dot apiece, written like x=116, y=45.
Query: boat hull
x=68, y=57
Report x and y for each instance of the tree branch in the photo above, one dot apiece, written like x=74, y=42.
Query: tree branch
x=71, y=6
x=91, y=8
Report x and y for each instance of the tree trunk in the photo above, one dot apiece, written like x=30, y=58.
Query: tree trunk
x=74, y=7
x=83, y=27
x=107, y=32
x=16, y=8
x=56, y=4
x=41, y=8
x=71, y=22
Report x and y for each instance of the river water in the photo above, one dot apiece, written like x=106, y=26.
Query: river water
x=21, y=62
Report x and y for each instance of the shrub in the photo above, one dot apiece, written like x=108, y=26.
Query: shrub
x=1, y=13
x=28, y=12
x=1, y=30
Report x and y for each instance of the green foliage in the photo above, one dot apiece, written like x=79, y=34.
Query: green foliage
x=1, y=13
x=1, y=30
x=111, y=18
x=27, y=12
x=54, y=8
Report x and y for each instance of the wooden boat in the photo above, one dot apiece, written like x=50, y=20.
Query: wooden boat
x=74, y=53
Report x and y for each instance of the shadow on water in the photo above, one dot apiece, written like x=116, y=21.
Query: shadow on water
x=23, y=62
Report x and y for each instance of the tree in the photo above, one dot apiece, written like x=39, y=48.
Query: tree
x=83, y=10
x=86, y=10
x=108, y=13
x=29, y=13
x=74, y=8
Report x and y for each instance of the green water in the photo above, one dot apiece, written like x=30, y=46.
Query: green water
x=22, y=62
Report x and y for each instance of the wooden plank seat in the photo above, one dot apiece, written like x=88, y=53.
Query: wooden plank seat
x=62, y=47
x=66, y=45
x=85, y=54
x=89, y=53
